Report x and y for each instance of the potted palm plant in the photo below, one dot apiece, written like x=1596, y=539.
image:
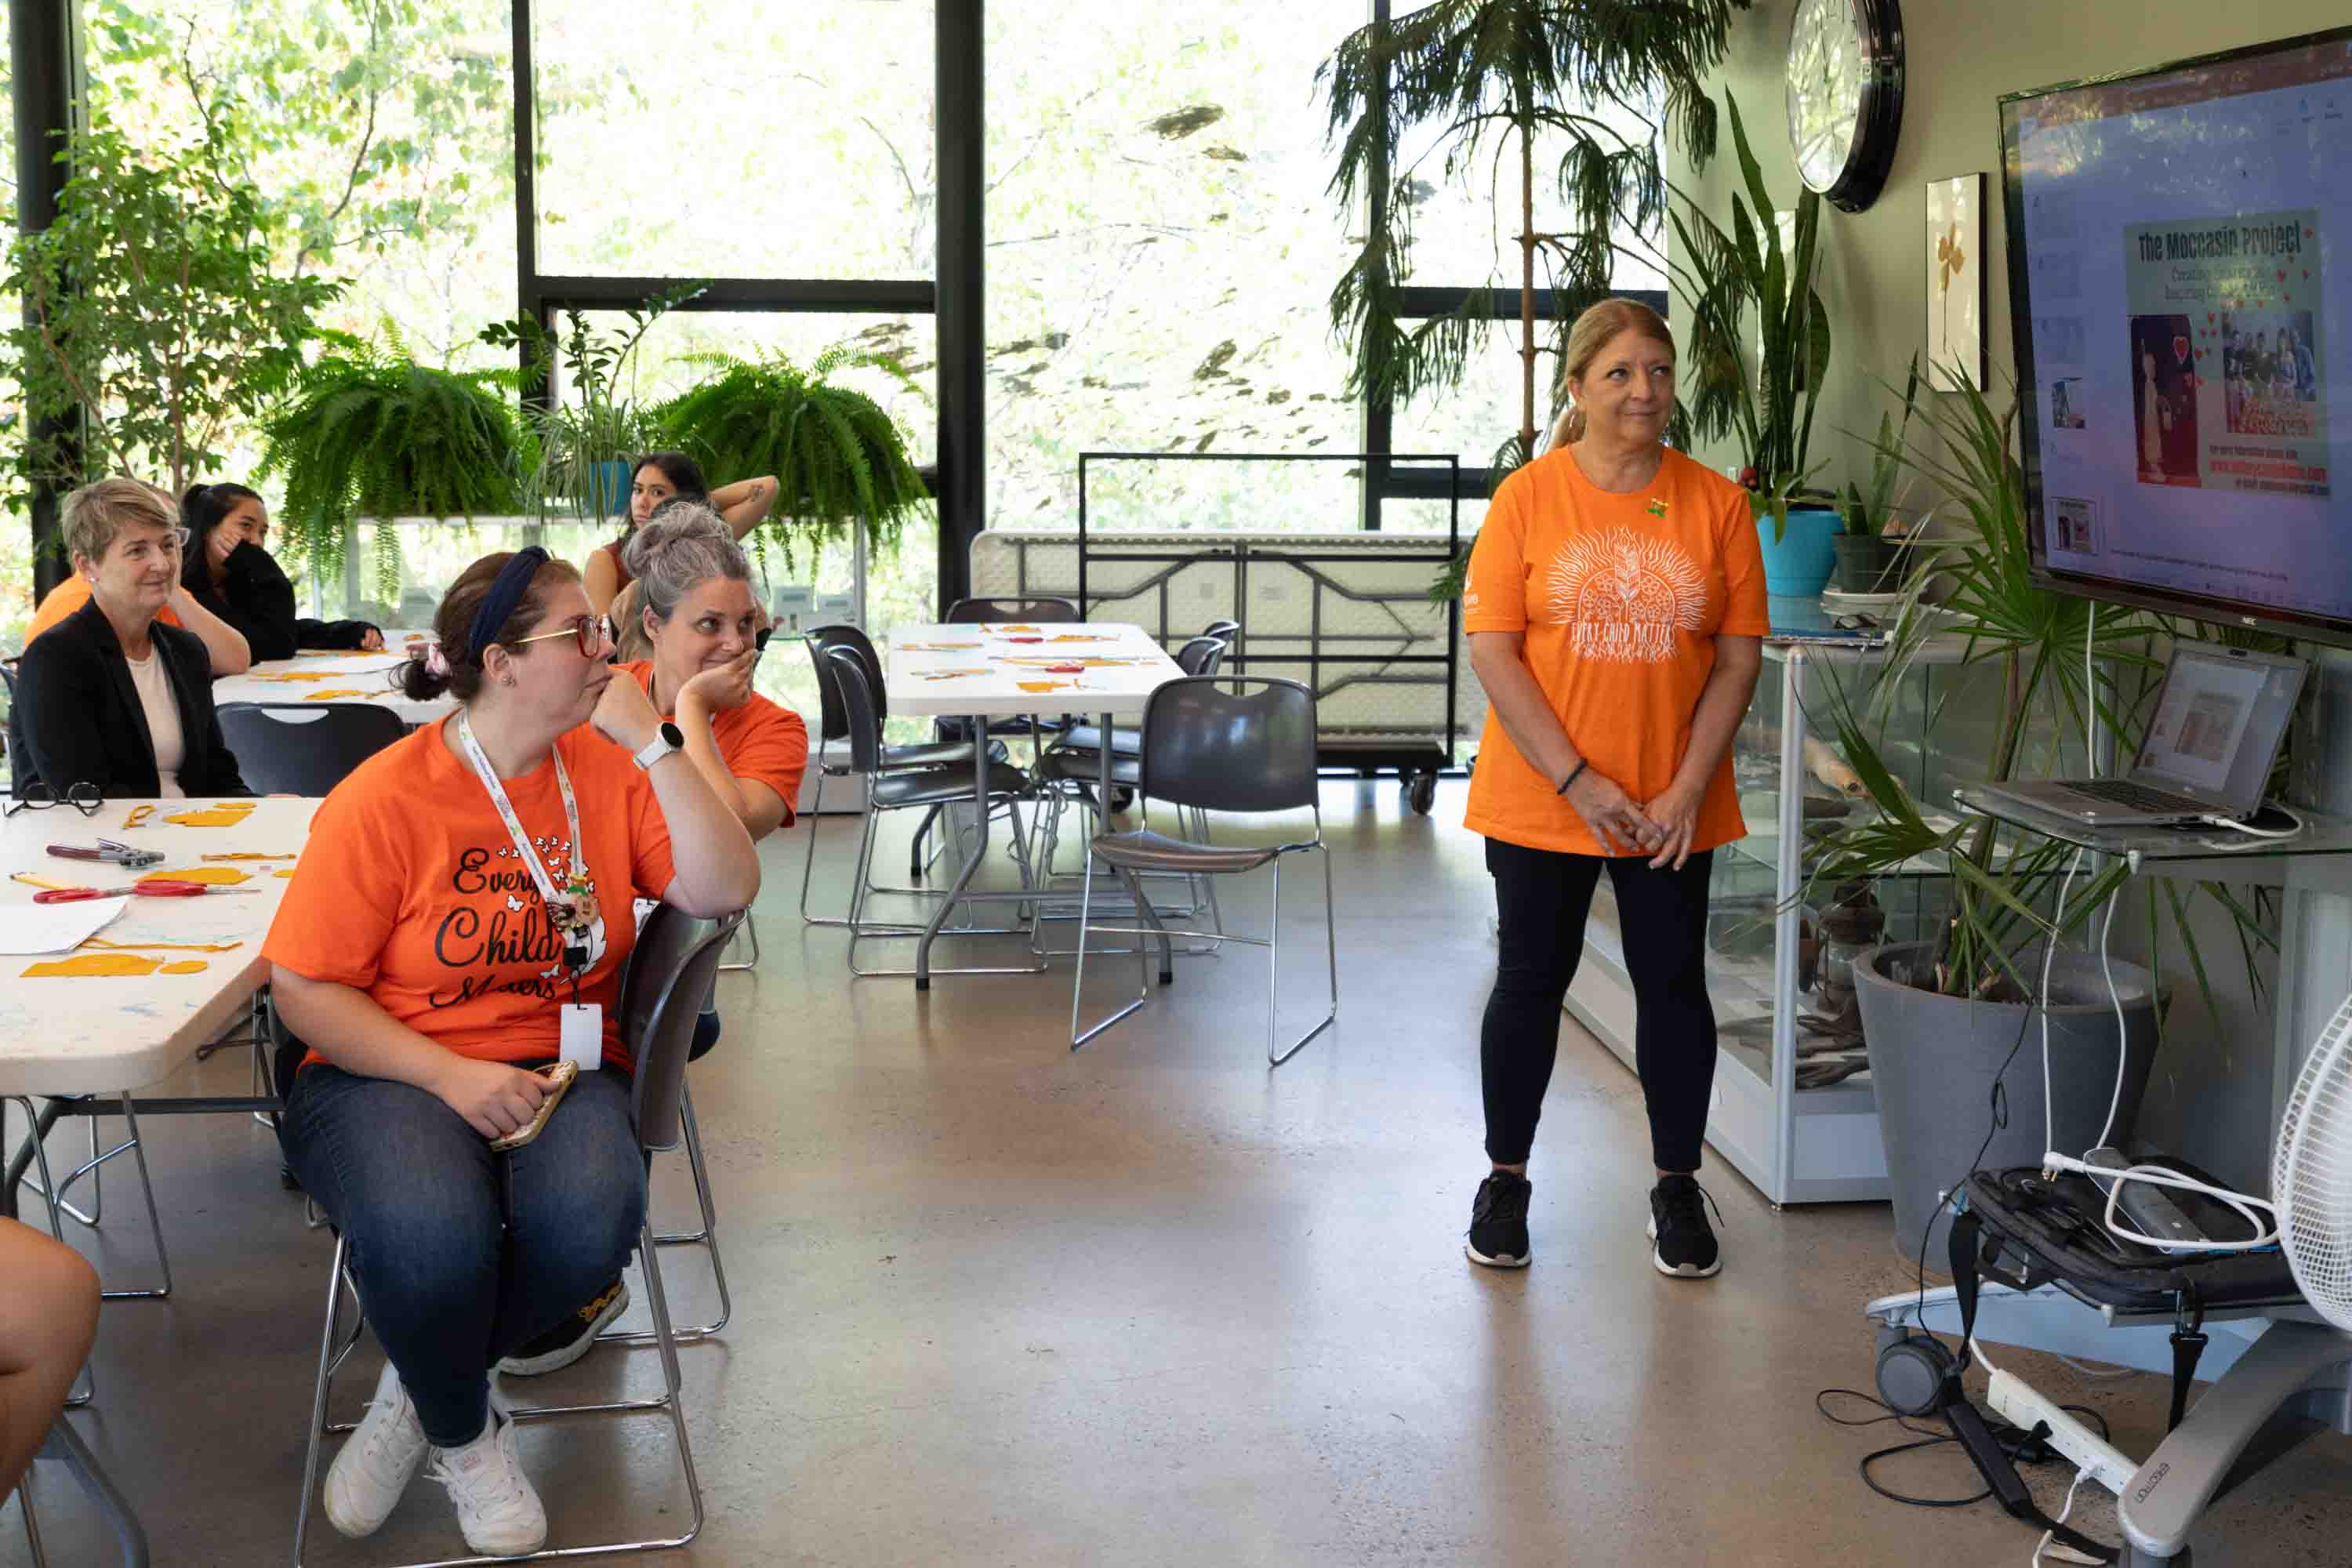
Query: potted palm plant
x=368, y=432
x=586, y=440
x=1943, y=1017
x=840, y=460
x=1762, y=399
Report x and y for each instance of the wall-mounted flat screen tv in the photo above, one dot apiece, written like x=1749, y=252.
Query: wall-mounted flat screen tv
x=2181, y=279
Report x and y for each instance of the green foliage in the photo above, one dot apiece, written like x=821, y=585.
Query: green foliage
x=1487, y=73
x=2007, y=883
x=837, y=457
x=1764, y=400
x=153, y=326
x=369, y=433
x=596, y=424
x=1868, y=515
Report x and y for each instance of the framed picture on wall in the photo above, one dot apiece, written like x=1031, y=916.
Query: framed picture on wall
x=1956, y=299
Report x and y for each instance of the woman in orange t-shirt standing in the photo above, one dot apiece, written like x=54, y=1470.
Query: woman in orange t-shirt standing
x=1616, y=613
x=463, y=912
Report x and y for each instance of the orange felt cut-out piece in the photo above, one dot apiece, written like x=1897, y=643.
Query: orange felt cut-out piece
x=209, y=819
x=287, y=872
x=95, y=966
x=330, y=696
x=224, y=876
x=1040, y=685
x=185, y=966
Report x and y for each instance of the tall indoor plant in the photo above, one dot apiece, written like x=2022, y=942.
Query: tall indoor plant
x=586, y=435
x=1942, y=1016
x=1762, y=398
x=839, y=459
x=368, y=432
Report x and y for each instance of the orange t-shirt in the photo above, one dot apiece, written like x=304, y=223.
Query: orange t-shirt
x=759, y=741
x=66, y=598
x=409, y=890
x=1621, y=598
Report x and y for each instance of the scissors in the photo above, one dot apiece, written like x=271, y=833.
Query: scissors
x=108, y=850
x=150, y=887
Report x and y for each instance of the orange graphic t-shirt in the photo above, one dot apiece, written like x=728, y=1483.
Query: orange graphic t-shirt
x=759, y=741
x=67, y=597
x=409, y=889
x=1621, y=598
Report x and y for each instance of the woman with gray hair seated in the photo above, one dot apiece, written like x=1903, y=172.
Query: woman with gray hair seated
x=114, y=698
x=703, y=626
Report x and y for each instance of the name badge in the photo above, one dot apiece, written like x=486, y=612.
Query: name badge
x=583, y=1034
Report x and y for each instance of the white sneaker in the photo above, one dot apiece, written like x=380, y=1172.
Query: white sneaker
x=497, y=1508
x=377, y=1462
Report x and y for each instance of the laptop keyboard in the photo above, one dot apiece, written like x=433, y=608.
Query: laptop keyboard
x=2138, y=797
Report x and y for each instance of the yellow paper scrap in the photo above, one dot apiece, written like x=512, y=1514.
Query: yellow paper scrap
x=330, y=696
x=95, y=966
x=219, y=875
x=216, y=817
x=185, y=966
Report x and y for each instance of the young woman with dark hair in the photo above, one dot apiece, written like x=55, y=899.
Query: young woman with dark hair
x=656, y=479
x=228, y=570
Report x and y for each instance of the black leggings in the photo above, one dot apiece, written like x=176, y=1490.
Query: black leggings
x=1542, y=897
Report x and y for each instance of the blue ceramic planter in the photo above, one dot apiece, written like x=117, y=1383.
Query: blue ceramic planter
x=611, y=481
x=1801, y=562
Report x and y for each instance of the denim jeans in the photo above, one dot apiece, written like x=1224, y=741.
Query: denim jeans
x=461, y=1256
x=1541, y=898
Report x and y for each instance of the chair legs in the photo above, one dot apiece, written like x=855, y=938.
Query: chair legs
x=1151, y=927
x=54, y=1192
x=706, y=1237
x=331, y=1357
x=64, y=1446
x=750, y=930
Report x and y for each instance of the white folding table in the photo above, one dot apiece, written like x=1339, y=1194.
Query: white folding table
x=308, y=677
x=978, y=673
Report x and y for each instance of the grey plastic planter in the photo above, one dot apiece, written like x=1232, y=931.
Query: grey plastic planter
x=1933, y=1060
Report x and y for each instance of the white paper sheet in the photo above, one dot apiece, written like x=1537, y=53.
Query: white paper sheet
x=26, y=929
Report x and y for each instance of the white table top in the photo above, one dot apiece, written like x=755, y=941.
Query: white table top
x=294, y=682
x=105, y=1036
x=998, y=662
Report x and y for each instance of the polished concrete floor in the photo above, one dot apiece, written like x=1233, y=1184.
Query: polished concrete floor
x=1149, y=1304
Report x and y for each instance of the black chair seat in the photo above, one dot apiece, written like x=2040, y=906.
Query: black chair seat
x=937, y=754
x=1126, y=742
x=1144, y=850
x=1074, y=766
x=953, y=732
x=942, y=786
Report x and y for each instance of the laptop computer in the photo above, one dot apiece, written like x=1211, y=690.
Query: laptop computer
x=2208, y=750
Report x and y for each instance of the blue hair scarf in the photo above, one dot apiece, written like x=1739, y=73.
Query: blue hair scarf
x=513, y=582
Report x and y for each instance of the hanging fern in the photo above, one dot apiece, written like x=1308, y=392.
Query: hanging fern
x=838, y=459
x=368, y=432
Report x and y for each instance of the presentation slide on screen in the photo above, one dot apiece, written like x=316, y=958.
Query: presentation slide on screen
x=2191, y=266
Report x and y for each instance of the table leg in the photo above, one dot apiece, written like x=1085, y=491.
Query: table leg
x=971, y=866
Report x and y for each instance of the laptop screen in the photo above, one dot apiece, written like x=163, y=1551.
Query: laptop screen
x=2218, y=723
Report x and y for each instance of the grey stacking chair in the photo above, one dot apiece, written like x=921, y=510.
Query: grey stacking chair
x=671, y=973
x=1235, y=743
x=833, y=722
x=901, y=789
x=305, y=748
x=1046, y=609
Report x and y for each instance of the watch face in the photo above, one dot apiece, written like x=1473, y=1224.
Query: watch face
x=672, y=736
x=1828, y=65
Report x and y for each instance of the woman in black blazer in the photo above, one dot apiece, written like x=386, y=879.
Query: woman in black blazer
x=228, y=570
x=110, y=697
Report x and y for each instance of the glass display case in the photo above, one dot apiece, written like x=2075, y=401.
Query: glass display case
x=1793, y=1108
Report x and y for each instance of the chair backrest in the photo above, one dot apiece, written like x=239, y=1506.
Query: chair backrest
x=1224, y=629
x=670, y=971
x=972, y=612
x=1200, y=656
x=1243, y=742
x=860, y=707
x=819, y=639
x=306, y=748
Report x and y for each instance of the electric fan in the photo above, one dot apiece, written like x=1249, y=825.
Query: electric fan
x=2311, y=1173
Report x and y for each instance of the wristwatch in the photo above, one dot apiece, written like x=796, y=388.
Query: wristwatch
x=667, y=739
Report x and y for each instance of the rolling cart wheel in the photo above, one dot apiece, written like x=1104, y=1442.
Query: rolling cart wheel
x=1420, y=790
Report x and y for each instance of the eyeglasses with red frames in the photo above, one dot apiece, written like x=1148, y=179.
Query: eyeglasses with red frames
x=590, y=632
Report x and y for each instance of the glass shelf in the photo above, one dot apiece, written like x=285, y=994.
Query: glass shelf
x=2320, y=834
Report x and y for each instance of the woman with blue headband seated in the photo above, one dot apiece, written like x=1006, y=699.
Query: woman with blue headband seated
x=454, y=901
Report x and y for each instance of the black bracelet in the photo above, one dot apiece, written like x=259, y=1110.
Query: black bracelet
x=1570, y=779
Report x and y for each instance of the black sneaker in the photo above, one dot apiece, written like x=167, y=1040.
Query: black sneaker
x=1685, y=1243
x=1498, y=1222
x=570, y=1338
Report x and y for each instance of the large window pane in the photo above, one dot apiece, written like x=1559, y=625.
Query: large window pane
x=1161, y=251
x=736, y=138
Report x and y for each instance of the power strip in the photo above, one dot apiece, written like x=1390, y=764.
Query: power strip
x=2015, y=1401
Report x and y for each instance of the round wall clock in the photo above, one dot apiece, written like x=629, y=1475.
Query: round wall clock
x=1845, y=96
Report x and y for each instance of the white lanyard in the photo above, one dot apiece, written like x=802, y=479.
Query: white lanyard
x=576, y=936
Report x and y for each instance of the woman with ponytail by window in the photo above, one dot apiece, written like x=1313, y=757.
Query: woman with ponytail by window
x=655, y=481
x=229, y=570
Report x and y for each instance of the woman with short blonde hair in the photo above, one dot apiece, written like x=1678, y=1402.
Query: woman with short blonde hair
x=1615, y=611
